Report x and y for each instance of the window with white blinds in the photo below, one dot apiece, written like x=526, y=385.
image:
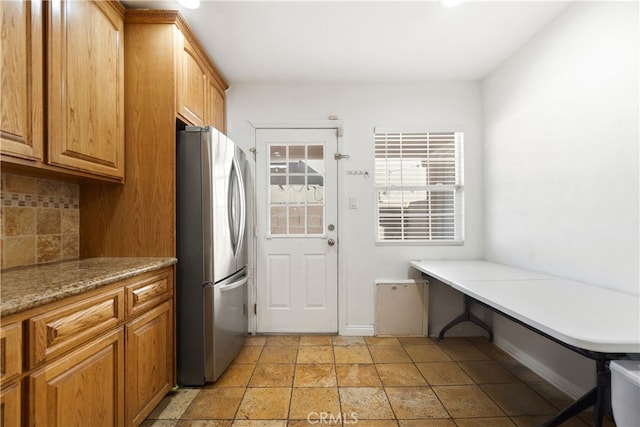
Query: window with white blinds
x=419, y=186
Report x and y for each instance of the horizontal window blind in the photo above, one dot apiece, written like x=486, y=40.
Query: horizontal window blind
x=418, y=185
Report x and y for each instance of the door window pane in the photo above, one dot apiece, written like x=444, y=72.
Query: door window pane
x=278, y=220
x=315, y=193
x=315, y=159
x=315, y=219
x=297, y=152
x=297, y=220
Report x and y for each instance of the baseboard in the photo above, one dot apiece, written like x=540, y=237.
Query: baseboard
x=358, y=330
x=542, y=370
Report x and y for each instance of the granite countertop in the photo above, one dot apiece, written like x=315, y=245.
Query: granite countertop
x=23, y=288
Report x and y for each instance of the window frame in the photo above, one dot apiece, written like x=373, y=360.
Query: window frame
x=287, y=205
x=457, y=187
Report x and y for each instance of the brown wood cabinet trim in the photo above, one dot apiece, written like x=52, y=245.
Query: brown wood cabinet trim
x=119, y=7
x=37, y=168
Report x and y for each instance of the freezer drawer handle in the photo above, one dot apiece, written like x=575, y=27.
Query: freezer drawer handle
x=234, y=285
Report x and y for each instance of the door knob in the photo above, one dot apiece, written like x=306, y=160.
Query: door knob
x=331, y=242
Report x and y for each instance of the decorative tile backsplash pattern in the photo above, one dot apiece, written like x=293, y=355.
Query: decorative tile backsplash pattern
x=40, y=220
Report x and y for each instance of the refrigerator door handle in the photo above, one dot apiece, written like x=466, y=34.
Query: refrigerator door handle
x=243, y=207
x=236, y=226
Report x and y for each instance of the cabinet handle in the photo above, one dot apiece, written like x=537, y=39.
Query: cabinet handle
x=151, y=290
x=3, y=355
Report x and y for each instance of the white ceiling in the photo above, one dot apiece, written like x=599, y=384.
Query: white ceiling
x=363, y=41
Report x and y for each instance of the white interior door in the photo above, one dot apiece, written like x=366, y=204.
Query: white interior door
x=296, y=229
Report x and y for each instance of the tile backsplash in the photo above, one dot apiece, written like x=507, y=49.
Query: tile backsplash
x=40, y=220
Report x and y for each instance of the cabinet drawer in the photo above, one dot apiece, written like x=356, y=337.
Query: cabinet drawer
x=59, y=330
x=148, y=291
x=10, y=351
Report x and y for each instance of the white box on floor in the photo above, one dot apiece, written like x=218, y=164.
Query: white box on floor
x=401, y=307
x=625, y=392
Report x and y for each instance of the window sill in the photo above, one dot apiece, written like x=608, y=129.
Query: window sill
x=419, y=243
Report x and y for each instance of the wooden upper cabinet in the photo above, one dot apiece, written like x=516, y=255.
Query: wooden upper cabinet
x=21, y=56
x=201, y=99
x=192, y=85
x=216, y=106
x=85, y=55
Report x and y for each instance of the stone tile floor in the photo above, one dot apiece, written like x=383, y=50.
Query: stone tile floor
x=306, y=380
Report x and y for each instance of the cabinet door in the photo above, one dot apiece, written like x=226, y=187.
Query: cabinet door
x=86, y=87
x=10, y=351
x=215, y=107
x=84, y=387
x=21, y=56
x=192, y=80
x=149, y=361
x=10, y=405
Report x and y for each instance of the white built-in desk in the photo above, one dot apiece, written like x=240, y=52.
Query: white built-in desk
x=599, y=323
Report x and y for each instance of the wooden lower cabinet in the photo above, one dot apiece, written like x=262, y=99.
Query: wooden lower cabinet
x=11, y=406
x=84, y=387
x=102, y=358
x=149, y=361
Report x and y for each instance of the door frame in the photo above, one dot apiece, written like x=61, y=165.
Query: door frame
x=251, y=219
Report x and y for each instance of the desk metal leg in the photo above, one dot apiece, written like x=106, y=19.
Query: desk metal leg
x=596, y=397
x=464, y=317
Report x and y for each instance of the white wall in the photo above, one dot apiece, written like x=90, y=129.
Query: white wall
x=561, y=164
x=551, y=168
x=361, y=107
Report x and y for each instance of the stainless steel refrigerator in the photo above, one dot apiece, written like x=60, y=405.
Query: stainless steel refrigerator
x=212, y=254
